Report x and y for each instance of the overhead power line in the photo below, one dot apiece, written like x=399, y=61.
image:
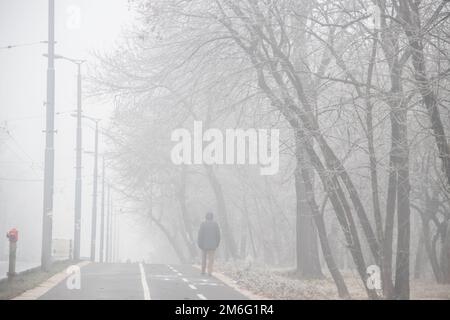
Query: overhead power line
x=20, y=180
x=22, y=45
x=40, y=117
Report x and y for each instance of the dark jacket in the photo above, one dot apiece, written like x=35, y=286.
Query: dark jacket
x=208, y=235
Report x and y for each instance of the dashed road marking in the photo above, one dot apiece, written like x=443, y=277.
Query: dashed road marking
x=185, y=280
x=202, y=297
x=144, y=283
x=163, y=276
x=210, y=284
x=192, y=287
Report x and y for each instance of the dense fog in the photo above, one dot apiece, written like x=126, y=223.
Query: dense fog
x=315, y=132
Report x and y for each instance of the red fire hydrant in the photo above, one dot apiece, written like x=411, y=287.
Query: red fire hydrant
x=13, y=237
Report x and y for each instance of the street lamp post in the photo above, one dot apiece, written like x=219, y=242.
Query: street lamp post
x=94, y=197
x=47, y=217
x=109, y=226
x=77, y=227
x=78, y=167
x=102, y=218
x=95, y=192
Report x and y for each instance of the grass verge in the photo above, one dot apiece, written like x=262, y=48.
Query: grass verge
x=10, y=288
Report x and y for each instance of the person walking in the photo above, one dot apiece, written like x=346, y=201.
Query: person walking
x=208, y=241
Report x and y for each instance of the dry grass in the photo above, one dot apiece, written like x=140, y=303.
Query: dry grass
x=283, y=284
x=28, y=280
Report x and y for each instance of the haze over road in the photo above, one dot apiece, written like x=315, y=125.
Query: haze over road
x=144, y=281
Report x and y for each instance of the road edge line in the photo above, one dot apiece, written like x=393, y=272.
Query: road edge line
x=201, y=297
x=232, y=283
x=144, y=283
x=42, y=288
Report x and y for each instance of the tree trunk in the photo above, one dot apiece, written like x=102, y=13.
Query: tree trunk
x=173, y=242
x=249, y=227
x=187, y=234
x=419, y=262
x=429, y=249
x=342, y=210
x=445, y=253
x=326, y=249
x=222, y=213
x=386, y=267
x=414, y=32
x=307, y=253
x=403, y=214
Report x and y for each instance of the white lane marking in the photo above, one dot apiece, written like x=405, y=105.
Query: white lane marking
x=210, y=284
x=144, y=283
x=185, y=280
x=192, y=287
x=201, y=296
x=163, y=276
x=179, y=274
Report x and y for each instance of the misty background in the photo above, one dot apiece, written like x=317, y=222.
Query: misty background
x=22, y=117
x=358, y=89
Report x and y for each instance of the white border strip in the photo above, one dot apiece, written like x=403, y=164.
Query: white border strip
x=231, y=283
x=144, y=283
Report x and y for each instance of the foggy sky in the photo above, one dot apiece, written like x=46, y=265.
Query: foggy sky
x=22, y=96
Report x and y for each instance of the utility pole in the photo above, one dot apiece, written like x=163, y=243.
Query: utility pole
x=117, y=234
x=47, y=217
x=77, y=224
x=114, y=238
x=78, y=115
x=77, y=227
x=108, y=226
x=94, y=197
x=102, y=222
x=111, y=215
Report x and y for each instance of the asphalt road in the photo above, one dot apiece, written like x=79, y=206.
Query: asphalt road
x=143, y=281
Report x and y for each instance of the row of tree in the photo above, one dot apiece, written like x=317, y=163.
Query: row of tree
x=359, y=90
